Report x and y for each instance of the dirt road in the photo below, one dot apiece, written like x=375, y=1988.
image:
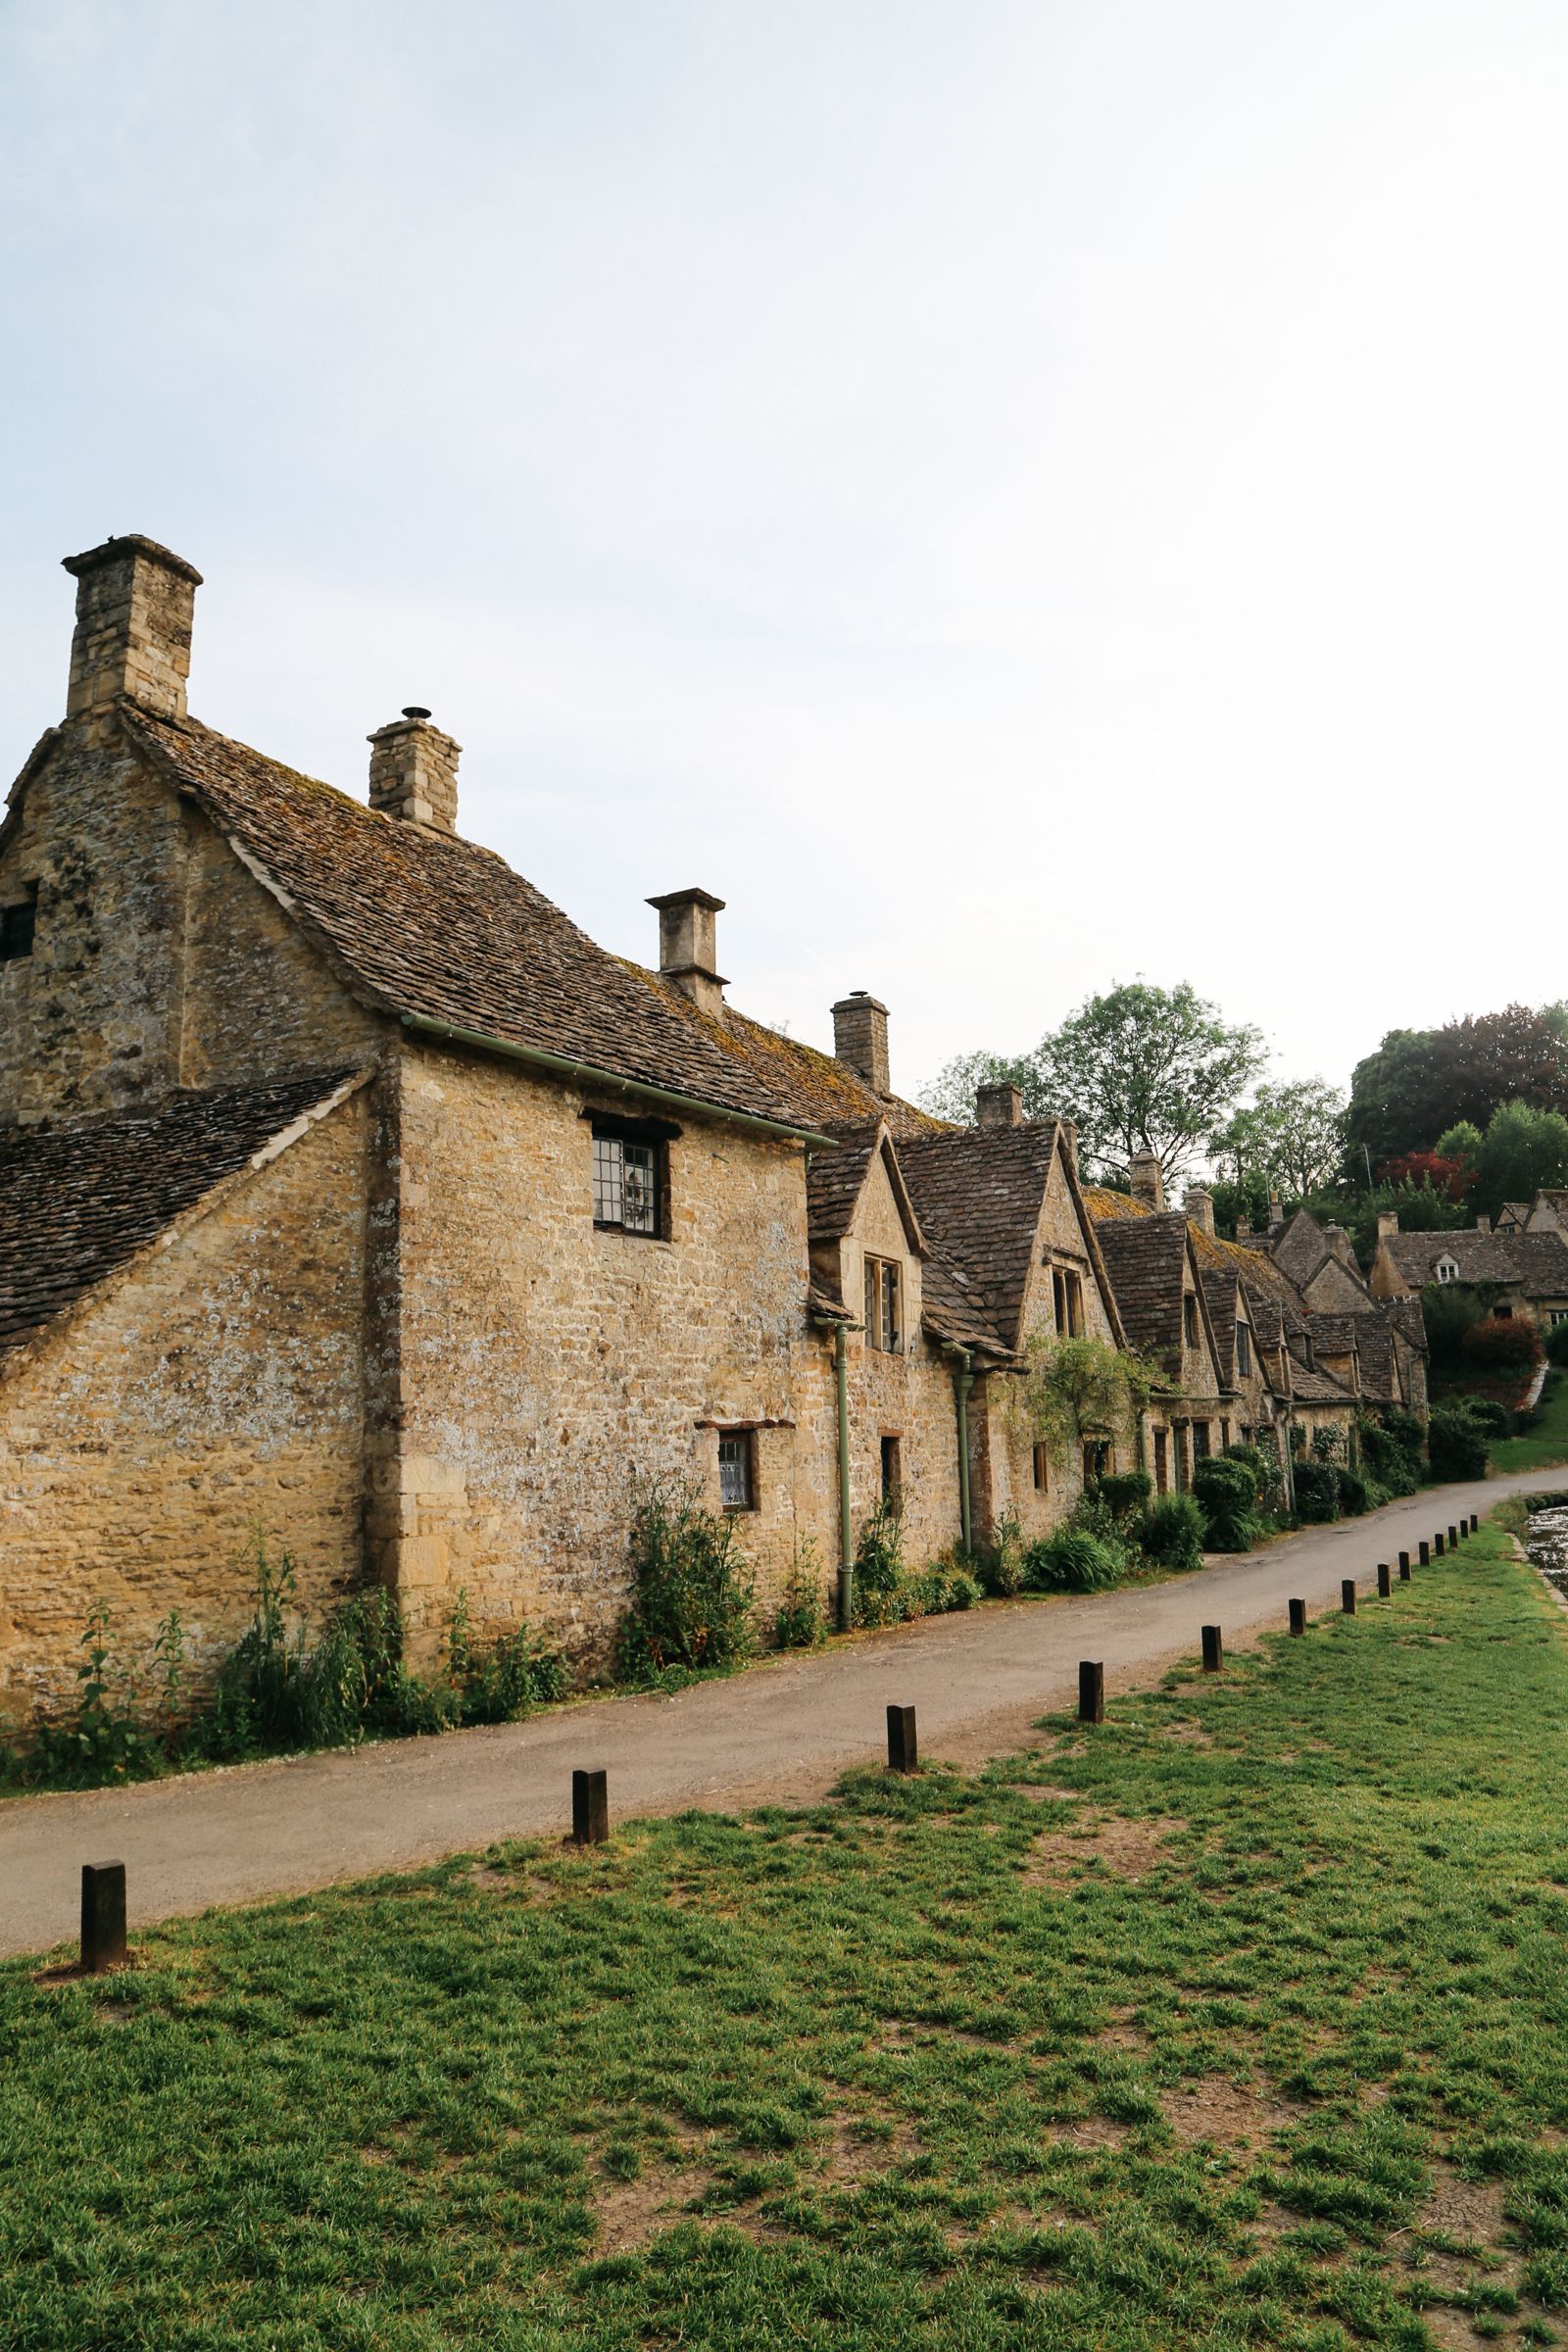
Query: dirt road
x=783, y=1732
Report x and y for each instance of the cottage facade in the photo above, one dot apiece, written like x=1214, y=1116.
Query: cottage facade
x=353, y=1202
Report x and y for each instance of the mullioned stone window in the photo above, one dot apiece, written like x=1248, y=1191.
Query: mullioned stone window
x=631, y=1176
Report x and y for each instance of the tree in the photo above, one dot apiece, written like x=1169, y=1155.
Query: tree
x=1522, y=1149
x=951, y=1092
x=1146, y=1070
x=1460, y=1142
x=1290, y=1136
x=1422, y=1082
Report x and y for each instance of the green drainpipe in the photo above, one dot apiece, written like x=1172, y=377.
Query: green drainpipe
x=962, y=1382
x=841, y=1375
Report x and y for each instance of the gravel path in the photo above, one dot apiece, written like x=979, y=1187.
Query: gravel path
x=783, y=1732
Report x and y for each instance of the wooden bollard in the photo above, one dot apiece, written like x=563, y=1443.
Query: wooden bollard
x=1298, y=1616
x=1348, y=1594
x=1213, y=1650
x=1453, y=1538
x=904, y=1754
x=1090, y=1691
x=1404, y=1567
x=1385, y=1580
x=103, y=1917
x=589, y=1808
x=1424, y=1549
x=1475, y=1523
x=1437, y=1544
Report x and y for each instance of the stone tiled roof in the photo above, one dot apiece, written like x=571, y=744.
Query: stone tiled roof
x=1144, y=1258
x=1335, y=1334
x=1374, y=1340
x=1514, y=1216
x=833, y=1182
x=1537, y=1261
x=77, y=1202
x=426, y=923
x=1317, y=1387
x=951, y=1309
x=978, y=1192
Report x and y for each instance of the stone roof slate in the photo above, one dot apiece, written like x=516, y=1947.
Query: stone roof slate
x=977, y=1192
x=1144, y=1258
x=426, y=923
x=1537, y=1261
x=79, y=1201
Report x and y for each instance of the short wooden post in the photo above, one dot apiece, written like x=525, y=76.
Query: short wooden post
x=1298, y=1616
x=589, y=1808
x=1090, y=1691
x=1424, y=1549
x=1437, y=1544
x=103, y=1917
x=1385, y=1580
x=1404, y=1567
x=903, y=1753
x=1475, y=1523
x=1213, y=1650
x=1453, y=1538
x=1348, y=1594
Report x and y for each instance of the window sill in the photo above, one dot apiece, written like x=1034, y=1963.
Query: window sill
x=627, y=1233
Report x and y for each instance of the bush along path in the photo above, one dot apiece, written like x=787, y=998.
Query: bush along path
x=783, y=1731
x=1235, y=2019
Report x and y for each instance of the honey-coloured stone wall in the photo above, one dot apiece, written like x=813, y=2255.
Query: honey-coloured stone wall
x=216, y=1386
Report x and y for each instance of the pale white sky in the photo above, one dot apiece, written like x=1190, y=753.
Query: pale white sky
x=1010, y=496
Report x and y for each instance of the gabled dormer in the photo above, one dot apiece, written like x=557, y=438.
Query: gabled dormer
x=867, y=1246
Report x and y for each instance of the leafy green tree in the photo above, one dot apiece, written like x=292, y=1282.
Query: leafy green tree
x=1422, y=1082
x=1461, y=1141
x=1291, y=1137
x=1523, y=1149
x=1148, y=1069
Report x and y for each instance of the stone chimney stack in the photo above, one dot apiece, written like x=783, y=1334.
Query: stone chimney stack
x=688, y=944
x=1148, y=1184
x=860, y=1038
x=134, y=601
x=1199, y=1207
x=1387, y=1223
x=414, y=771
x=1276, y=1212
x=999, y=1105
x=1068, y=1129
x=1483, y=1224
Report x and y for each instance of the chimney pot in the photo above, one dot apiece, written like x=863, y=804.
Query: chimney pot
x=688, y=944
x=860, y=1038
x=1199, y=1207
x=1147, y=1179
x=134, y=601
x=999, y=1105
x=414, y=772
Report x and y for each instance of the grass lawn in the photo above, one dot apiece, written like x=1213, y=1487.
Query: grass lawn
x=1238, y=2021
x=1546, y=1444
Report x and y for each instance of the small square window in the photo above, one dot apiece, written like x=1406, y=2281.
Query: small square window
x=19, y=923
x=628, y=1182
x=737, y=1470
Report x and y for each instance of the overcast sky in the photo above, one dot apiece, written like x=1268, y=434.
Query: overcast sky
x=1011, y=496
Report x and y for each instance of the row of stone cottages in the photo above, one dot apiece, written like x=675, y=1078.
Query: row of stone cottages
x=347, y=1191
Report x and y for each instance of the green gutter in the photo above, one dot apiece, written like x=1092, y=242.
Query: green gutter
x=841, y=1376
x=587, y=1074
x=962, y=1382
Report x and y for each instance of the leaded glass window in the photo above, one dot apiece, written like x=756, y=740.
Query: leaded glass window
x=625, y=1184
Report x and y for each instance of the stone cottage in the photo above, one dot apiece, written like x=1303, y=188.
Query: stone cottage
x=1514, y=1272
x=352, y=1200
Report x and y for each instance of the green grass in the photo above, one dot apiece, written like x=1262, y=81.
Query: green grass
x=896, y=2071
x=1548, y=1443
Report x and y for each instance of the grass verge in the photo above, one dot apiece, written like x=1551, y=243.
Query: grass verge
x=1546, y=1444
x=1237, y=2021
